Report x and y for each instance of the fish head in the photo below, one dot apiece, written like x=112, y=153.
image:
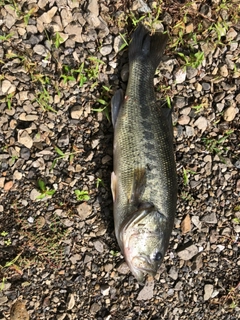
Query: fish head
x=144, y=240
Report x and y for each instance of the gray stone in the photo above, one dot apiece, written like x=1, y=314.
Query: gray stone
x=220, y=107
x=210, y=218
x=233, y=46
x=2, y=181
x=195, y=220
x=108, y=267
x=198, y=87
x=106, y=159
x=33, y=40
x=230, y=113
x=189, y=131
x=75, y=258
x=208, y=290
x=98, y=245
x=117, y=44
x=224, y=71
x=8, y=87
x=180, y=102
x=141, y=6
x=219, y=96
x=105, y=50
x=231, y=34
x=28, y=117
x=191, y=72
x=10, y=21
x=206, y=86
x=40, y=49
x=167, y=19
x=3, y=300
x=186, y=111
x=180, y=75
x=95, y=143
x=205, y=9
x=237, y=164
x=17, y=175
x=71, y=301
x=66, y=16
x=229, y=62
x=188, y=252
x=173, y=273
x=93, y=7
x=95, y=307
x=147, y=292
x=87, y=258
x=25, y=139
x=34, y=194
x=105, y=289
x=184, y=119
x=93, y=20
x=63, y=140
x=84, y=210
x=47, y=17
x=201, y=123
x=75, y=31
x=42, y=3
x=238, y=185
x=123, y=268
x=76, y=112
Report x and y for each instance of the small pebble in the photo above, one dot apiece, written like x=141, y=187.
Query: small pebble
x=84, y=210
x=188, y=252
x=76, y=112
x=230, y=113
x=206, y=86
x=8, y=185
x=184, y=119
x=224, y=71
x=180, y=75
x=106, y=50
x=208, y=290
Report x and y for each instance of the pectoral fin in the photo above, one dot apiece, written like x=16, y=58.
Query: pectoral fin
x=113, y=185
x=116, y=103
x=139, y=184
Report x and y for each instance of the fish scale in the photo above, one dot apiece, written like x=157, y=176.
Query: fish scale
x=144, y=182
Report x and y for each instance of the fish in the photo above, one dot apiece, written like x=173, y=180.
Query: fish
x=144, y=179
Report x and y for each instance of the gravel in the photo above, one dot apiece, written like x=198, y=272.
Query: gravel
x=61, y=62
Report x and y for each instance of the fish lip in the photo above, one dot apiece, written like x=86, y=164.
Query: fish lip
x=140, y=272
x=148, y=269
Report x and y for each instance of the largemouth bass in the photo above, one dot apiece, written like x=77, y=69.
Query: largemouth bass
x=144, y=182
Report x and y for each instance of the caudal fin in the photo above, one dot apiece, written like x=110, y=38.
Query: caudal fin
x=146, y=48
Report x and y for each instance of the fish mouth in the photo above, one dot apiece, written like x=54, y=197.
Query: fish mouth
x=143, y=264
x=140, y=266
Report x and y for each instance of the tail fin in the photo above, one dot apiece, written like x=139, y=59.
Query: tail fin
x=146, y=48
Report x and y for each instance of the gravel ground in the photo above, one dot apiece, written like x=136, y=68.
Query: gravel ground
x=61, y=62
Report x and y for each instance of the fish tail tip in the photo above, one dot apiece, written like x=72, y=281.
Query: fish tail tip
x=147, y=47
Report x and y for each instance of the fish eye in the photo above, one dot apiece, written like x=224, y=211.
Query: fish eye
x=157, y=256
